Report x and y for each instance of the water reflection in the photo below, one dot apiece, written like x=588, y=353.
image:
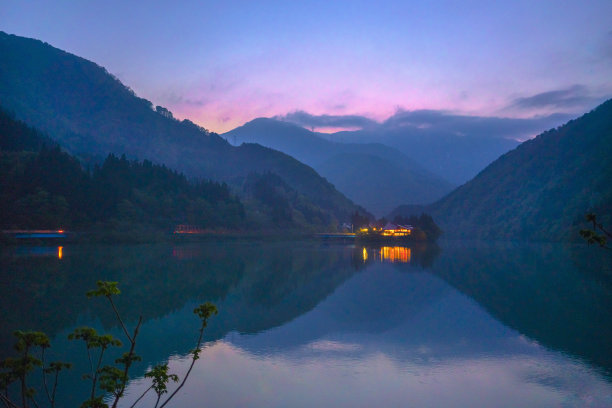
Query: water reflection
x=305, y=324
x=423, y=344
x=39, y=251
x=418, y=254
x=388, y=254
x=544, y=291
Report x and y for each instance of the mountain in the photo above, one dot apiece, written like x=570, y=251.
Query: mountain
x=44, y=188
x=91, y=114
x=542, y=189
x=373, y=175
x=453, y=147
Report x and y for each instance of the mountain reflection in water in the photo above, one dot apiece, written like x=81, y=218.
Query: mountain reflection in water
x=305, y=324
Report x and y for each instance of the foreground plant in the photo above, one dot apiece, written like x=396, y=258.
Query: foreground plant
x=597, y=234
x=108, y=381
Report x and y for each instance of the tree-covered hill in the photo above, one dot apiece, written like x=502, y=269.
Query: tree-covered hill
x=89, y=112
x=542, y=189
x=43, y=187
x=373, y=175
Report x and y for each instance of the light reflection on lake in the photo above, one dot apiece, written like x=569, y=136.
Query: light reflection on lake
x=395, y=254
x=310, y=324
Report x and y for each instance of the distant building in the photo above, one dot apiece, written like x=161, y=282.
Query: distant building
x=187, y=229
x=394, y=230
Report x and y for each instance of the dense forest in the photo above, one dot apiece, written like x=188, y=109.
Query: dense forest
x=90, y=113
x=44, y=187
x=542, y=189
x=279, y=204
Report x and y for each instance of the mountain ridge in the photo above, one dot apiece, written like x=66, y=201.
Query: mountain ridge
x=540, y=190
x=91, y=113
x=372, y=174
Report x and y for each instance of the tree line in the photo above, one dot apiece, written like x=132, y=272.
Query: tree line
x=44, y=187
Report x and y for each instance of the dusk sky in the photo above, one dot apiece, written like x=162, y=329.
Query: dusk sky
x=223, y=63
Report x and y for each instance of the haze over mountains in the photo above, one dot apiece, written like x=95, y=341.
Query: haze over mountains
x=373, y=175
x=91, y=113
x=454, y=147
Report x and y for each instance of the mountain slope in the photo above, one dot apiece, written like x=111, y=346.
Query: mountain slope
x=540, y=190
x=373, y=175
x=453, y=153
x=91, y=113
x=43, y=187
x=379, y=184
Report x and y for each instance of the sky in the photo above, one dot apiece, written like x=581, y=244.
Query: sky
x=224, y=63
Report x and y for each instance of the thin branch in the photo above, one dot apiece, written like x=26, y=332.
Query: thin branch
x=34, y=401
x=600, y=226
x=95, y=377
x=7, y=402
x=608, y=233
x=125, y=330
x=193, y=360
x=90, y=360
x=54, y=389
x=128, y=361
x=141, y=397
x=44, y=375
x=23, y=378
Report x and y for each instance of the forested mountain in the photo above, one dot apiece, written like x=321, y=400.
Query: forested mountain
x=43, y=187
x=91, y=113
x=542, y=189
x=373, y=175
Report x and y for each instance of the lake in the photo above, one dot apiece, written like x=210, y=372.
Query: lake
x=309, y=323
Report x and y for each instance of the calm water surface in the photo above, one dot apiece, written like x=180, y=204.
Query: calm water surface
x=305, y=324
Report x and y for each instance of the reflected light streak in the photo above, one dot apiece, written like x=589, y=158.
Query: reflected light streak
x=395, y=254
x=60, y=252
x=390, y=254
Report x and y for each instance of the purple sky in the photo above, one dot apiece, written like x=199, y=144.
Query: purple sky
x=223, y=63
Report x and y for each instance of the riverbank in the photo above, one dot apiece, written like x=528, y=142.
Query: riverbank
x=148, y=236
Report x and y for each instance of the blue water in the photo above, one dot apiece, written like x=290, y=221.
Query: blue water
x=304, y=324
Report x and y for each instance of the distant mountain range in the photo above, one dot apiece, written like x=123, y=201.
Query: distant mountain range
x=539, y=191
x=454, y=147
x=91, y=113
x=373, y=175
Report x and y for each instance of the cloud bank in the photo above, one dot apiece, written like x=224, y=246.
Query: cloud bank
x=308, y=120
x=576, y=96
x=431, y=122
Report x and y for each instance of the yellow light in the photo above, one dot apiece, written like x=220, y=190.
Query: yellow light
x=365, y=255
x=60, y=252
x=395, y=254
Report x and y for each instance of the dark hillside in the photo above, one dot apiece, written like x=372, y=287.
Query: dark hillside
x=90, y=112
x=43, y=187
x=542, y=189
